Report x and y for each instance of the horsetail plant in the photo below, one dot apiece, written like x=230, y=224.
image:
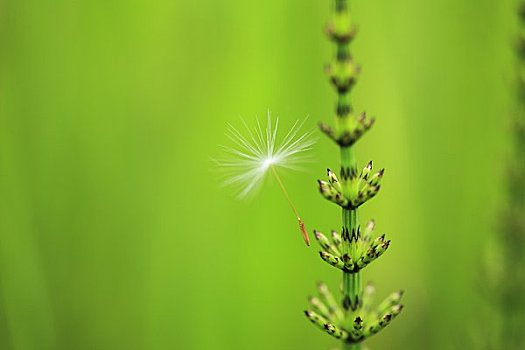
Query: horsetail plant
x=353, y=319
x=505, y=272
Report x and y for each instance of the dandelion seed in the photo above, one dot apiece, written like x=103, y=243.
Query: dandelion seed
x=258, y=152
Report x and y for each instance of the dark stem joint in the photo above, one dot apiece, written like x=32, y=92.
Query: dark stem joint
x=343, y=110
x=340, y=5
x=348, y=172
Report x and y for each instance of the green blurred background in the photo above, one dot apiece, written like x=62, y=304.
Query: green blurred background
x=114, y=231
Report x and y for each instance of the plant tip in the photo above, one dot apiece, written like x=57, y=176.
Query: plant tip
x=304, y=233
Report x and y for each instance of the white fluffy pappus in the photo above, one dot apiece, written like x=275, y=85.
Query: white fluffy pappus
x=259, y=150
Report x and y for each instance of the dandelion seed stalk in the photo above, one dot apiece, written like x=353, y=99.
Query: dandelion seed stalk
x=258, y=151
x=354, y=248
x=302, y=226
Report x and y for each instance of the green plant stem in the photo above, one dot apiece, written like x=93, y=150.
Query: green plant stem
x=508, y=284
x=349, y=252
x=352, y=286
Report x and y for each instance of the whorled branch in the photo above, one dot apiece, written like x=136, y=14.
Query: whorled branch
x=327, y=315
x=355, y=188
x=368, y=249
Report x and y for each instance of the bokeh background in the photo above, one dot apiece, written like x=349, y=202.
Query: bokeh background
x=114, y=230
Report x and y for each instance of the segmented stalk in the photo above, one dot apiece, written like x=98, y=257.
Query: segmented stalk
x=353, y=249
x=507, y=289
x=352, y=286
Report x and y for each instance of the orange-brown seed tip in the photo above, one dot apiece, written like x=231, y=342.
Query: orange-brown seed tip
x=302, y=227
